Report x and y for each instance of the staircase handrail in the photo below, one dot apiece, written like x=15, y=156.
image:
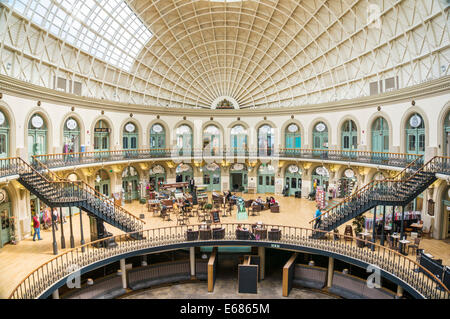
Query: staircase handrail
x=86, y=187
x=368, y=187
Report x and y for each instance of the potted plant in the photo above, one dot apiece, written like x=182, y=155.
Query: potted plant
x=359, y=223
x=208, y=206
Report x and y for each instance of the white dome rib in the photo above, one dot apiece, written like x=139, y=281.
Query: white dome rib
x=269, y=53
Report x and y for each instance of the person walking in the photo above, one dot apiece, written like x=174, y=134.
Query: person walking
x=37, y=227
x=318, y=217
x=55, y=218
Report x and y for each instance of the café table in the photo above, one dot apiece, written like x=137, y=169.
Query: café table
x=403, y=243
x=418, y=227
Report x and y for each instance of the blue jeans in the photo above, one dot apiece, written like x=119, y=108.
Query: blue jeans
x=38, y=232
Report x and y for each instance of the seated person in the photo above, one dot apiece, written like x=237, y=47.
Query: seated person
x=186, y=203
x=272, y=201
x=259, y=202
x=214, y=194
x=312, y=195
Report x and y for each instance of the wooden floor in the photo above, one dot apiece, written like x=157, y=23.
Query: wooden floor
x=17, y=261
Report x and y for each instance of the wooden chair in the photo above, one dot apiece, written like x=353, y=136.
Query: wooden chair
x=255, y=210
x=348, y=232
x=180, y=219
x=415, y=245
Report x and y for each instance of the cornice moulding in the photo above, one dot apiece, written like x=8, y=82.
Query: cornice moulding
x=24, y=89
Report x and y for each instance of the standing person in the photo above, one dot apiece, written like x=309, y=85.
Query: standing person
x=55, y=217
x=318, y=217
x=37, y=227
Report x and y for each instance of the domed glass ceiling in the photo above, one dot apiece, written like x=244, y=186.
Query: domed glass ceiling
x=198, y=53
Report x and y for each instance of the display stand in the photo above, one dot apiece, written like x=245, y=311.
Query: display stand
x=320, y=198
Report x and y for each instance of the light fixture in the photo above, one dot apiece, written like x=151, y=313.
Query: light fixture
x=204, y=256
x=98, y=179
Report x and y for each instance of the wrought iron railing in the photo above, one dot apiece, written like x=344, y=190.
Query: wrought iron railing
x=375, y=158
x=406, y=270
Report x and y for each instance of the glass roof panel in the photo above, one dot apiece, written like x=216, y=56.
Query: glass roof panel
x=95, y=26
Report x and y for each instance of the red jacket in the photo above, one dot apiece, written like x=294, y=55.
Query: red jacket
x=35, y=222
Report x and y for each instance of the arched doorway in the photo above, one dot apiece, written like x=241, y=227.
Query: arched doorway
x=101, y=137
x=266, y=179
x=349, y=138
x=321, y=176
x=184, y=140
x=238, y=177
x=157, y=139
x=102, y=183
x=71, y=136
x=211, y=177
x=320, y=138
x=239, y=140
x=4, y=136
x=157, y=176
x=130, y=137
x=293, y=139
x=184, y=173
x=415, y=135
x=347, y=183
x=6, y=220
x=211, y=140
x=266, y=140
x=293, y=179
x=37, y=136
x=130, y=184
x=380, y=137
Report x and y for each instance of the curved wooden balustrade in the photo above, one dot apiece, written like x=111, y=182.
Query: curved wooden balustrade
x=228, y=154
x=409, y=274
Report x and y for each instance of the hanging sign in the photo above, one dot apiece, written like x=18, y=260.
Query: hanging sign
x=157, y=128
x=71, y=124
x=2, y=118
x=415, y=121
x=320, y=127
x=37, y=121
x=292, y=128
x=129, y=127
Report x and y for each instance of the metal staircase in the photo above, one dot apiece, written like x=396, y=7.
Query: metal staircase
x=57, y=192
x=398, y=191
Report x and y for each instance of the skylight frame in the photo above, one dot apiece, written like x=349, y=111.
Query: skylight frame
x=108, y=30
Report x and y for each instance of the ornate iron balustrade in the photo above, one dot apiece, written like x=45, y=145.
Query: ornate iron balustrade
x=408, y=273
x=374, y=158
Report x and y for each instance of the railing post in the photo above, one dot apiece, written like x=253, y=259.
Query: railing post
x=374, y=232
x=63, y=239
x=72, y=240
x=401, y=228
x=81, y=231
x=55, y=244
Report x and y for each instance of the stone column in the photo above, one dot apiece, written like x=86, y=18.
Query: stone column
x=330, y=272
x=124, y=273
x=262, y=261
x=192, y=261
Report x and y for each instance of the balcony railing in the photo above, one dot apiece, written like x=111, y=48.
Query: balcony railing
x=408, y=273
x=86, y=158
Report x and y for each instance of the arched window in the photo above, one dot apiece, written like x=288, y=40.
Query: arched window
x=130, y=183
x=380, y=135
x=101, y=136
x=349, y=136
x=157, y=137
x=37, y=136
x=447, y=135
x=4, y=136
x=71, y=136
x=102, y=182
x=211, y=140
x=415, y=135
x=238, y=140
x=293, y=138
x=130, y=137
x=265, y=140
x=320, y=136
x=184, y=140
